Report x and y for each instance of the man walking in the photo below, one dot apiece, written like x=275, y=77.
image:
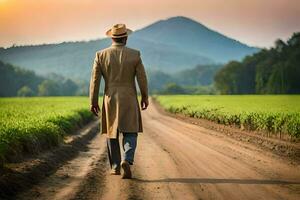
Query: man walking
x=119, y=65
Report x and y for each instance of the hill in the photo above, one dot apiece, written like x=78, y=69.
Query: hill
x=169, y=45
x=15, y=81
x=193, y=37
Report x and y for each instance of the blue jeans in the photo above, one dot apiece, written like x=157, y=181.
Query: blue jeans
x=129, y=143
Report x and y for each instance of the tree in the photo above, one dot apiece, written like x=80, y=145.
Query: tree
x=275, y=70
x=49, y=88
x=13, y=78
x=173, y=88
x=200, y=75
x=69, y=87
x=25, y=91
x=226, y=79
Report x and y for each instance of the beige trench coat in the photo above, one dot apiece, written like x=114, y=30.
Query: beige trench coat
x=119, y=65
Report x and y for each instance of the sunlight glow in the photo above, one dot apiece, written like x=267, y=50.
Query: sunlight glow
x=46, y=21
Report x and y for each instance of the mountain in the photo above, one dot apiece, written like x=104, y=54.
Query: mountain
x=169, y=45
x=192, y=37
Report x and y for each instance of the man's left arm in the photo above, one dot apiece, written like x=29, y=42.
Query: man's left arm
x=95, y=85
x=142, y=82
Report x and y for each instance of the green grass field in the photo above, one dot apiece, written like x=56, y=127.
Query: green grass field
x=28, y=125
x=272, y=113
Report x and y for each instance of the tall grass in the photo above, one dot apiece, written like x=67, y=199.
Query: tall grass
x=277, y=114
x=29, y=125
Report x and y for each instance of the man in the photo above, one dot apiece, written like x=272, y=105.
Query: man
x=119, y=65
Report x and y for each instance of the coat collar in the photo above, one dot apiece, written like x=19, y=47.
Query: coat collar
x=117, y=44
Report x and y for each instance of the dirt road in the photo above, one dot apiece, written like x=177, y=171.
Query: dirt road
x=175, y=160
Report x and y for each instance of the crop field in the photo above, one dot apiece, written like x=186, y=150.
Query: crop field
x=31, y=124
x=276, y=114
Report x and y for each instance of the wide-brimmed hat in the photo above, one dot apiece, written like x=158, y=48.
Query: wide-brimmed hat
x=118, y=31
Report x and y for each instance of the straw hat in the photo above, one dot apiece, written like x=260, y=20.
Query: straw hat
x=118, y=31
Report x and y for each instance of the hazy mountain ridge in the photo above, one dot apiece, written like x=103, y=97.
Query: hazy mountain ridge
x=15, y=81
x=201, y=75
x=194, y=37
x=170, y=45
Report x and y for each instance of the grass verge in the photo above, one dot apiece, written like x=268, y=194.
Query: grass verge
x=31, y=125
x=275, y=114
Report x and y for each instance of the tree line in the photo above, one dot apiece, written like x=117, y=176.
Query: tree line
x=198, y=80
x=15, y=81
x=270, y=71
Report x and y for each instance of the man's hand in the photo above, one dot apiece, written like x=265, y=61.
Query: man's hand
x=95, y=109
x=144, y=103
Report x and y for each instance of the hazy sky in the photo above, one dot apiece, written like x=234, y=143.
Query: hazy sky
x=254, y=22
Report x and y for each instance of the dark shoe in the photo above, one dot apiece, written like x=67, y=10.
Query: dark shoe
x=115, y=172
x=126, y=170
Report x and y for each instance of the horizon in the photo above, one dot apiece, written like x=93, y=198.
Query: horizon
x=252, y=23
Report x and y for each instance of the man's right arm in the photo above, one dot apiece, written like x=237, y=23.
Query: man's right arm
x=95, y=85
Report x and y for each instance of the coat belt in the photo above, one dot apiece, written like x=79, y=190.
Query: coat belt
x=130, y=85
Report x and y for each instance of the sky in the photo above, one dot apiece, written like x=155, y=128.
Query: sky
x=253, y=22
